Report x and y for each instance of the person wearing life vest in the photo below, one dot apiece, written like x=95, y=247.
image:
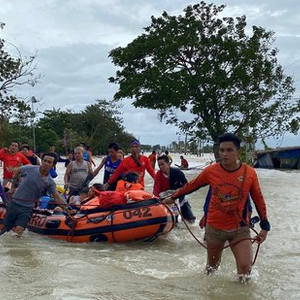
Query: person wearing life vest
x=136, y=162
x=110, y=163
x=231, y=183
x=168, y=178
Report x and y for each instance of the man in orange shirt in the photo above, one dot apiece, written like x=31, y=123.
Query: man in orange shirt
x=231, y=183
x=134, y=163
x=12, y=160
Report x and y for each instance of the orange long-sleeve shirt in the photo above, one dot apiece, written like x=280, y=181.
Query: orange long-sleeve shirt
x=229, y=194
x=129, y=165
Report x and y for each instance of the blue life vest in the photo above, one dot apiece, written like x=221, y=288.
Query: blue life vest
x=110, y=168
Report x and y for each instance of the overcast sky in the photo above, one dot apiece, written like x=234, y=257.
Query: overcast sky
x=73, y=38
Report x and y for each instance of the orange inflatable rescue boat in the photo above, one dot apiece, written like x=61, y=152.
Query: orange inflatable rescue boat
x=143, y=217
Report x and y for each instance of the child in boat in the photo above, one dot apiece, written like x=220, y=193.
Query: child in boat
x=75, y=201
x=84, y=196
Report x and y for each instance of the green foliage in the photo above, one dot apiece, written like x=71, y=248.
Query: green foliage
x=18, y=132
x=101, y=123
x=47, y=137
x=14, y=71
x=210, y=67
x=97, y=126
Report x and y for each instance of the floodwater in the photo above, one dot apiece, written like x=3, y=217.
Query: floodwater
x=171, y=267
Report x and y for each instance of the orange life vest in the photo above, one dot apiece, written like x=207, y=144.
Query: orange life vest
x=124, y=186
x=138, y=195
x=104, y=200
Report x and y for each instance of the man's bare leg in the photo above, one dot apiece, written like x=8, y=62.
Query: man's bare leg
x=214, y=254
x=242, y=252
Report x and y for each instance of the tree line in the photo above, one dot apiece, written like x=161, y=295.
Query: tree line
x=97, y=125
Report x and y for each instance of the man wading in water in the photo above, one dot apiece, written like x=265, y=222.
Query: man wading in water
x=29, y=184
x=227, y=219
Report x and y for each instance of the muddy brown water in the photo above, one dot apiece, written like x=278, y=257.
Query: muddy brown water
x=172, y=267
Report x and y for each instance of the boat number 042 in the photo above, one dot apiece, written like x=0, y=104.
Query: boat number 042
x=143, y=212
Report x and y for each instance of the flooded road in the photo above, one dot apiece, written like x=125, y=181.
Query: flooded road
x=171, y=267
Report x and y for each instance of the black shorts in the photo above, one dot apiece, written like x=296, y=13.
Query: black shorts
x=17, y=215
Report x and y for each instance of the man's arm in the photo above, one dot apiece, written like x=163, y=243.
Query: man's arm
x=2, y=152
x=61, y=202
x=157, y=184
x=192, y=186
x=38, y=162
x=90, y=169
x=15, y=181
x=261, y=208
x=91, y=161
x=24, y=160
x=149, y=168
x=60, y=159
x=98, y=169
x=67, y=174
x=121, y=168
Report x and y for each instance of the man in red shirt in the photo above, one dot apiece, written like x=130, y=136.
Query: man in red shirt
x=231, y=183
x=184, y=163
x=134, y=163
x=12, y=160
x=168, y=178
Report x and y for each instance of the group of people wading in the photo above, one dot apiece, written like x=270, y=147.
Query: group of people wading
x=232, y=185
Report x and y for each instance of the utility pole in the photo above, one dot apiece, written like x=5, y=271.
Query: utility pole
x=185, y=144
x=33, y=100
